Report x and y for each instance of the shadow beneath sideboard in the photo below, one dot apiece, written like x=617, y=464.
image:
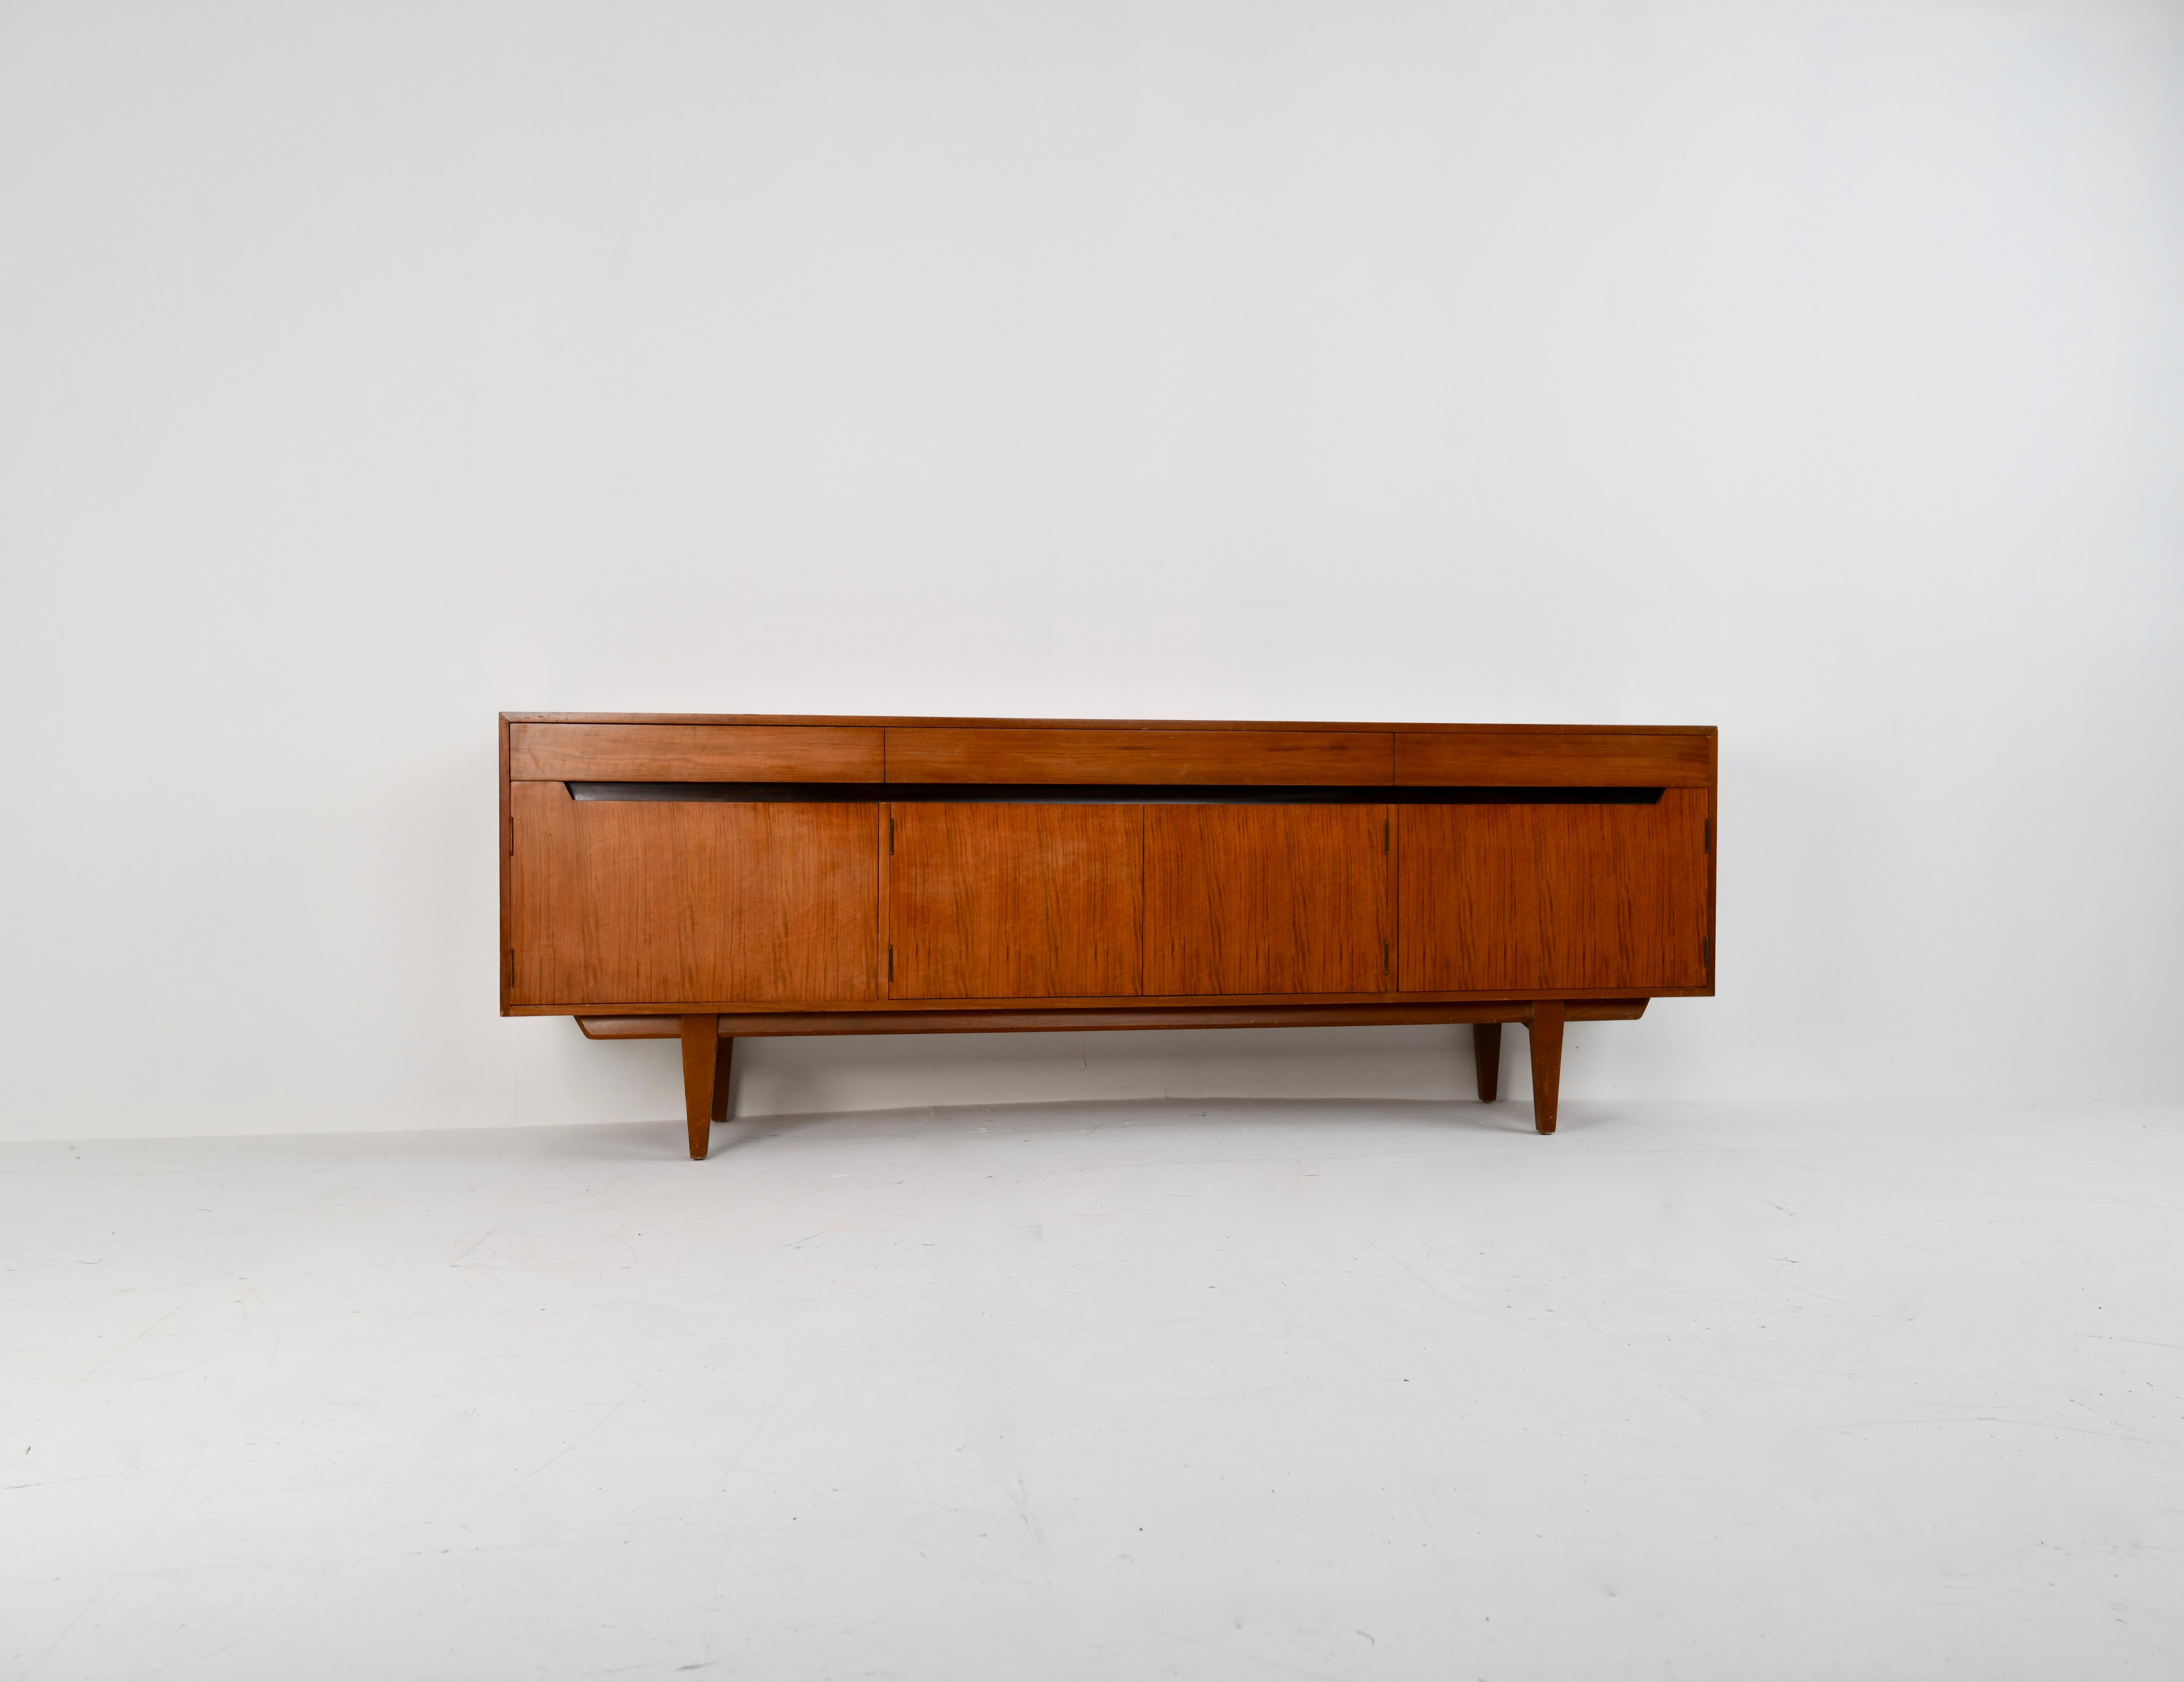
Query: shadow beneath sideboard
x=1152, y=1117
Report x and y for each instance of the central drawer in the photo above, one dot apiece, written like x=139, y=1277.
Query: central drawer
x=1293, y=758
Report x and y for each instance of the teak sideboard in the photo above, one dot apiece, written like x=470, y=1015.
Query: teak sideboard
x=707, y=879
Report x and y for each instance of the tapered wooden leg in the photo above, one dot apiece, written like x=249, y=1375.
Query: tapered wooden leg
x=723, y=1060
x=1546, y=1035
x=1486, y=1053
x=701, y=1061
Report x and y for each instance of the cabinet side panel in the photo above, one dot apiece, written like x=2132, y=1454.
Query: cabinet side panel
x=506, y=960
x=1554, y=897
x=640, y=902
x=1015, y=902
x=1266, y=899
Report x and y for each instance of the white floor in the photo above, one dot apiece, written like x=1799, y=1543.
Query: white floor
x=1211, y=1390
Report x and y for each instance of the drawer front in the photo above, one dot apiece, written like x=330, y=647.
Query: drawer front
x=1263, y=757
x=692, y=753
x=1553, y=759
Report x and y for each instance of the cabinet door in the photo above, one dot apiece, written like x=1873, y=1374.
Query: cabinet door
x=1015, y=902
x=1267, y=899
x=1513, y=898
x=690, y=902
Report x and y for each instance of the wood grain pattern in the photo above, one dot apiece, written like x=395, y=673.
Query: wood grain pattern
x=1015, y=902
x=694, y=753
x=1569, y=759
x=507, y=964
x=1293, y=757
x=1267, y=899
x=886, y=843
x=756, y=1025
x=632, y=902
x=1554, y=898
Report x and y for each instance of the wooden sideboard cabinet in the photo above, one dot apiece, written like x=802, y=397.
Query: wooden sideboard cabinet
x=709, y=879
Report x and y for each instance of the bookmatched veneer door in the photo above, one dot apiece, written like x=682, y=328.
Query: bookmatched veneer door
x=1015, y=902
x=1519, y=898
x=1267, y=899
x=685, y=902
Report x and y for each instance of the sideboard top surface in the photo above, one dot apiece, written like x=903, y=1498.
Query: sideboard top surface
x=912, y=723
x=678, y=747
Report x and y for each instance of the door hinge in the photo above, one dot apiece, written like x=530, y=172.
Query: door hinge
x=1705, y=945
x=1383, y=957
x=1384, y=827
x=890, y=835
x=891, y=964
x=1709, y=835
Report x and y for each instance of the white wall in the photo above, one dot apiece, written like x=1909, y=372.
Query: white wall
x=1813, y=370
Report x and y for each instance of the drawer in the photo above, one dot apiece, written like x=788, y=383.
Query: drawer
x=1555, y=759
x=692, y=753
x=1265, y=757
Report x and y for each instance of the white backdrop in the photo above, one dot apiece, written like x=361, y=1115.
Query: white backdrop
x=1813, y=370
